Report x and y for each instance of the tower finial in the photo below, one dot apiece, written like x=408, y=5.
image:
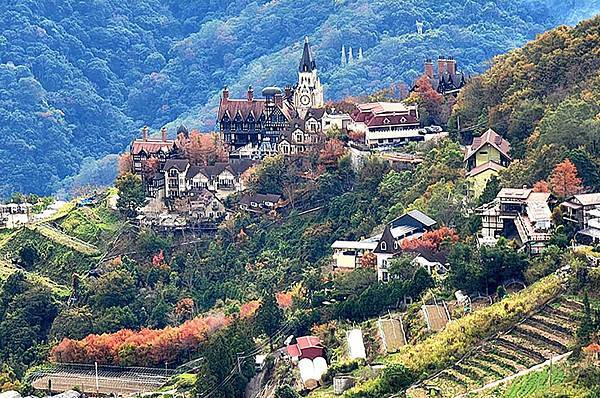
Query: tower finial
x=306, y=39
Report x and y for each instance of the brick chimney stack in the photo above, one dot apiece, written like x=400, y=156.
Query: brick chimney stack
x=288, y=91
x=250, y=94
x=451, y=65
x=441, y=65
x=225, y=93
x=145, y=133
x=429, y=68
x=163, y=134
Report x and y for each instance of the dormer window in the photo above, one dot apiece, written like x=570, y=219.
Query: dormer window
x=395, y=245
x=383, y=246
x=403, y=119
x=386, y=121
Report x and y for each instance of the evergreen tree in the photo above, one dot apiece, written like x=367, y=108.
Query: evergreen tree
x=492, y=187
x=131, y=194
x=269, y=316
x=586, y=328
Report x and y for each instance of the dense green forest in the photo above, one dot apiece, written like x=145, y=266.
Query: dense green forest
x=544, y=98
x=79, y=78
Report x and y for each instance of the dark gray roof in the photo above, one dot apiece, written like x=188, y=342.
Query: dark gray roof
x=307, y=63
x=422, y=218
x=179, y=164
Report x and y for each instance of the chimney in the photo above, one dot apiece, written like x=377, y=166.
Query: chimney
x=250, y=94
x=429, y=68
x=163, y=134
x=288, y=91
x=451, y=66
x=441, y=65
x=225, y=93
x=145, y=133
x=279, y=100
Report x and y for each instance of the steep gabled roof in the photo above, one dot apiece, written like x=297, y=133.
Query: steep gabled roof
x=486, y=166
x=307, y=63
x=586, y=199
x=151, y=146
x=178, y=164
x=492, y=138
x=386, y=242
x=243, y=107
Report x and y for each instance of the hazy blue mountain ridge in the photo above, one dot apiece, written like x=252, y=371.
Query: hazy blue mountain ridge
x=79, y=78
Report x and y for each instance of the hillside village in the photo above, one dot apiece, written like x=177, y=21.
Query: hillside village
x=365, y=247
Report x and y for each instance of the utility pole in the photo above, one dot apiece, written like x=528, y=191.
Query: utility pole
x=97, y=384
x=239, y=362
x=550, y=373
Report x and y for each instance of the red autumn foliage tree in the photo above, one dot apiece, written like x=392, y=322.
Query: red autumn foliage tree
x=203, y=148
x=331, y=153
x=369, y=260
x=147, y=347
x=541, y=186
x=345, y=105
x=428, y=99
x=357, y=136
x=564, y=180
x=431, y=240
x=150, y=167
x=124, y=164
x=284, y=299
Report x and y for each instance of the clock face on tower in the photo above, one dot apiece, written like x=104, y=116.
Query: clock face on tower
x=304, y=100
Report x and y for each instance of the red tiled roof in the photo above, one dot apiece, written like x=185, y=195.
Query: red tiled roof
x=293, y=350
x=486, y=166
x=308, y=342
x=243, y=106
x=384, y=113
x=256, y=107
x=151, y=146
x=392, y=120
x=303, y=343
x=492, y=138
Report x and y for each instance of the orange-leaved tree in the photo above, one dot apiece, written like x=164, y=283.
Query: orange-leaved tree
x=431, y=240
x=331, y=153
x=564, y=180
x=203, y=148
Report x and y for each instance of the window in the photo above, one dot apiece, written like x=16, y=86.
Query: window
x=385, y=276
x=383, y=246
x=395, y=245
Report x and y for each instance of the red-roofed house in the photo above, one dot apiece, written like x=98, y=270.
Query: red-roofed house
x=144, y=148
x=306, y=347
x=487, y=155
x=387, y=123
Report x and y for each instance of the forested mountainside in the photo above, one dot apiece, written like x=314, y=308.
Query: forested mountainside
x=77, y=79
x=545, y=99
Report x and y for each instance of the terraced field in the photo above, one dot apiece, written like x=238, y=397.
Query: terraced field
x=538, y=338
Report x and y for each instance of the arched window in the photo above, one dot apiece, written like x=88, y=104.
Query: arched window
x=383, y=246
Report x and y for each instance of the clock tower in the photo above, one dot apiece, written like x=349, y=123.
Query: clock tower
x=308, y=92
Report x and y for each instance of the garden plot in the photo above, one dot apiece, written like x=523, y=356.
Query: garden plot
x=533, y=341
x=392, y=334
x=436, y=316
